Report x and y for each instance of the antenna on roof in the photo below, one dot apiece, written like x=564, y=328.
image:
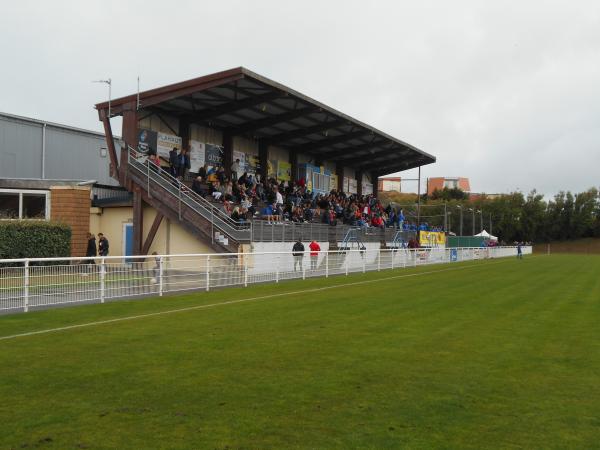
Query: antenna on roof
x=138, y=93
x=109, y=82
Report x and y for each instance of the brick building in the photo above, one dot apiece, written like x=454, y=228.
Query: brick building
x=440, y=183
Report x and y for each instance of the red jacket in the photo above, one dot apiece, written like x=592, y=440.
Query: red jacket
x=314, y=248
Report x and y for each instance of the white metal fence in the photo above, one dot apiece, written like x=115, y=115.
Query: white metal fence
x=38, y=283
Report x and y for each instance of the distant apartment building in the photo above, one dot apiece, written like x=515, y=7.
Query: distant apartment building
x=440, y=183
x=389, y=184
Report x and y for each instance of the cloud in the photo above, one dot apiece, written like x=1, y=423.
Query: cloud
x=505, y=94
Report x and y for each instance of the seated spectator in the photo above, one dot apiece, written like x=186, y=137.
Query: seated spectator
x=199, y=187
x=267, y=213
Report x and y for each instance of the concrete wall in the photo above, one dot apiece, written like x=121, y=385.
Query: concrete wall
x=170, y=238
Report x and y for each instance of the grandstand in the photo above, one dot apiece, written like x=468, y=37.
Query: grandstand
x=277, y=134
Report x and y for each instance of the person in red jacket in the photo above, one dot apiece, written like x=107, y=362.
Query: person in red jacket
x=315, y=248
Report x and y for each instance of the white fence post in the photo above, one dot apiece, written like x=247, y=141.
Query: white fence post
x=26, y=287
x=160, y=276
x=208, y=273
x=327, y=264
x=245, y=272
x=378, y=260
x=393, y=253
x=277, y=268
x=102, y=280
x=347, y=258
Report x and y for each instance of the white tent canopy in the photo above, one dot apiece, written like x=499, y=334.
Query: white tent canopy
x=487, y=235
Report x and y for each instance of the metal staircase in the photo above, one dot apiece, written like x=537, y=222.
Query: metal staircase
x=352, y=237
x=179, y=203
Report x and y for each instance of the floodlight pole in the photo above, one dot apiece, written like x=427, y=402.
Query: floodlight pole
x=491, y=224
x=445, y=217
x=461, y=220
x=419, y=200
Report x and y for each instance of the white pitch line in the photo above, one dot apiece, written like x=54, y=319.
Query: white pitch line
x=242, y=300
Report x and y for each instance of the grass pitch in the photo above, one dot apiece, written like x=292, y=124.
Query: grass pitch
x=490, y=354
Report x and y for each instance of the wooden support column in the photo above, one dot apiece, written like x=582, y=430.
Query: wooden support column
x=359, y=178
x=110, y=144
x=130, y=136
x=227, y=152
x=138, y=221
x=152, y=233
x=263, y=157
x=339, y=170
x=375, y=181
x=184, y=133
x=294, y=162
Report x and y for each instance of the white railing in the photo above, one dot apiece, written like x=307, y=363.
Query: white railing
x=27, y=284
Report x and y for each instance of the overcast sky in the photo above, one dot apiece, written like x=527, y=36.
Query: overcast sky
x=505, y=93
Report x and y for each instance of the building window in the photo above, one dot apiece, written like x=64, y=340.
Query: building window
x=451, y=184
x=9, y=205
x=18, y=204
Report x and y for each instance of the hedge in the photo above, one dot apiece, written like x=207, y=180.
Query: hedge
x=34, y=239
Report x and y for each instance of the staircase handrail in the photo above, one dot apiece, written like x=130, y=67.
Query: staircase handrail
x=236, y=230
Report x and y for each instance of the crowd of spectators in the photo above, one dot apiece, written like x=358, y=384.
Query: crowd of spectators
x=247, y=197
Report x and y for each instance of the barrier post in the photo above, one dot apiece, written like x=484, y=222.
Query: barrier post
x=26, y=287
x=160, y=276
x=347, y=257
x=327, y=265
x=102, y=280
x=379, y=260
x=208, y=273
x=277, y=270
x=245, y=272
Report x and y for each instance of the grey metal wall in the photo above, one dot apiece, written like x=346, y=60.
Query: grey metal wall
x=70, y=154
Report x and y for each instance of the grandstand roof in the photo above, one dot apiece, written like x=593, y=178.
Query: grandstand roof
x=247, y=104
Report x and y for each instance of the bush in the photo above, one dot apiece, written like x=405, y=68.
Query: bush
x=34, y=239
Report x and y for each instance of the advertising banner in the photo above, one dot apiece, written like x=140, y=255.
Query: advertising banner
x=272, y=168
x=214, y=155
x=165, y=143
x=352, y=186
x=333, y=183
x=284, y=171
x=367, y=188
x=146, y=140
x=432, y=239
x=197, y=155
x=242, y=157
x=252, y=164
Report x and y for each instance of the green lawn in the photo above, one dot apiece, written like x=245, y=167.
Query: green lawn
x=490, y=354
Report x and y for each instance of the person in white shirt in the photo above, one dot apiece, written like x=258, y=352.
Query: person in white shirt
x=278, y=197
x=235, y=169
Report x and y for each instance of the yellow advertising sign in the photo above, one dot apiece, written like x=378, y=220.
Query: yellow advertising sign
x=432, y=238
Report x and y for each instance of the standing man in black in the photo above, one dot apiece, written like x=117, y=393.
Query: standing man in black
x=298, y=253
x=91, y=251
x=102, y=245
x=173, y=162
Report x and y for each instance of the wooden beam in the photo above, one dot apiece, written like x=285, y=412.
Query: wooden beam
x=263, y=157
x=138, y=221
x=152, y=233
x=332, y=156
x=110, y=143
x=233, y=106
x=305, y=131
x=273, y=120
x=293, y=160
x=130, y=136
x=331, y=141
x=339, y=170
x=227, y=152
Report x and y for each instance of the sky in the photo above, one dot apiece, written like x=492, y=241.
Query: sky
x=504, y=93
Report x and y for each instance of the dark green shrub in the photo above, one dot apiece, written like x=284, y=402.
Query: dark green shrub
x=34, y=239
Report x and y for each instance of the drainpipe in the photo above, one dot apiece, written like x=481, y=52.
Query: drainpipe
x=44, y=152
